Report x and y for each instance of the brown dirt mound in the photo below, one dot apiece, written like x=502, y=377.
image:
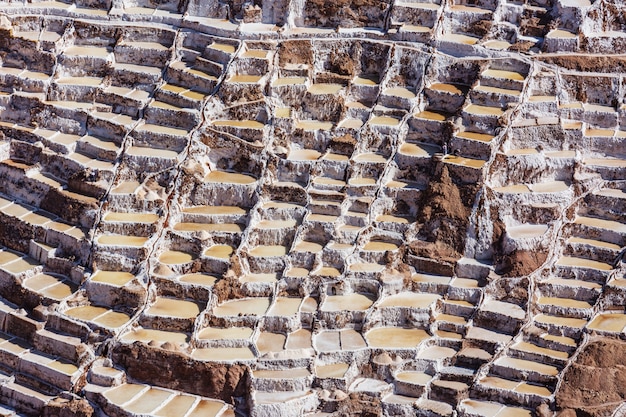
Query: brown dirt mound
x=444, y=217
x=520, y=263
x=346, y=13
x=607, y=64
x=595, y=385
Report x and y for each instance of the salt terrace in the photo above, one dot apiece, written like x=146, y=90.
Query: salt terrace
x=310, y=207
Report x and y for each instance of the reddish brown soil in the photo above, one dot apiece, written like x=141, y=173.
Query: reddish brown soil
x=345, y=13
x=596, y=383
x=520, y=263
x=594, y=63
x=444, y=217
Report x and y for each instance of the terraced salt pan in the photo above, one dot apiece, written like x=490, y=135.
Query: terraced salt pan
x=56, y=288
x=297, y=272
x=492, y=409
x=170, y=307
x=255, y=53
x=150, y=335
x=208, y=227
x=364, y=182
x=115, y=278
x=414, y=377
x=327, y=271
x=400, y=92
x=459, y=160
x=268, y=251
x=366, y=267
x=152, y=128
x=460, y=38
x=561, y=34
x=601, y=223
x=583, y=263
x=288, y=81
x=221, y=177
x=270, y=342
x=151, y=152
x=122, y=240
x=517, y=386
x=608, y=322
x=351, y=124
x=176, y=406
x=377, y=246
x=143, y=399
x=563, y=302
x=527, y=366
x=328, y=181
x=483, y=110
x=253, y=306
x=349, y=302
x=329, y=156
x=219, y=251
x=421, y=150
x=481, y=137
x=496, y=90
x=223, y=354
x=574, y=283
x=431, y=115
x=173, y=257
x=304, y=155
x=605, y=162
x=366, y=80
x=333, y=370
x=318, y=89
x=311, y=247
x=300, y=339
x=93, y=51
x=409, y=300
x=126, y=187
x=332, y=340
x=392, y=219
x=285, y=306
x=593, y=242
x=309, y=125
x=99, y=315
x=85, y=81
x=414, y=28
x=527, y=231
x=278, y=397
x=215, y=210
x=384, y=121
x=395, y=338
x=560, y=321
x=131, y=217
x=547, y=187
x=148, y=401
x=248, y=124
x=281, y=374
x=530, y=348
x=447, y=88
x=260, y=277
x=229, y=49
x=612, y=193
x=434, y=353
x=230, y=333
x=245, y=79
x=495, y=44
x=507, y=75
